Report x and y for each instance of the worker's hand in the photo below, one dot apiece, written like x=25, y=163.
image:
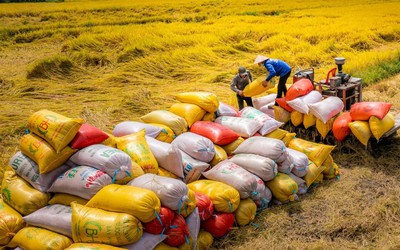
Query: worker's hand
x=264, y=83
x=240, y=92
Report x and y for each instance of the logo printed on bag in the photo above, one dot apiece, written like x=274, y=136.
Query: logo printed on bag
x=92, y=229
x=44, y=125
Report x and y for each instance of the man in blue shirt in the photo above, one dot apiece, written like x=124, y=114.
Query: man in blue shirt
x=241, y=79
x=275, y=67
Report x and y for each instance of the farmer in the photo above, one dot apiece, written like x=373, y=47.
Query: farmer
x=241, y=79
x=275, y=67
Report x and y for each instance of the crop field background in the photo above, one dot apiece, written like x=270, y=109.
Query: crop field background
x=113, y=61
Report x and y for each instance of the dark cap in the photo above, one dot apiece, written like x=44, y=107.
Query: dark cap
x=242, y=70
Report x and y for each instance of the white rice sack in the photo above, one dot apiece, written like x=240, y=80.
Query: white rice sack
x=197, y=146
x=226, y=110
x=301, y=103
x=167, y=155
x=192, y=168
x=327, y=108
x=263, y=196
x=55, y=217
x=268, y=147
x=171, y=192
x=267, y=110
x=82, y=181
x=245, y=127
x=302, y=186
x=259, y=102
x=263, y=167
x=193, y=223
x=300, y=162
x=268, y=124
x=29, y=171
x=115, y=162
x=130, y=127
x=146, y=242
x=287, y=165
x=232, y=174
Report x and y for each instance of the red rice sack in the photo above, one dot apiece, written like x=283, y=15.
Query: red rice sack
x=362, y=111
x=300, y=88
x=88, y=135
x=217, y=133
x=178, y=232
x=205, y=206
x=219, y=224
x=341, y=127
x=161, y=223
x=283, y=104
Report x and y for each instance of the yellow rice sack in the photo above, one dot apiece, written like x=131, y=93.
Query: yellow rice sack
x=255, y=87
x=163, y=246
x=209, y=117
x=246, y=212
x=43, y=154
x=309, y=120
x=166, y=173
x=20, y=195
x=204, y=240
x=224, y=197
x=92, y=246
x=281, y=115
x=139, y=202
x=219, y=156
x=174, y=122
x=205, y=100
x=190, y=205
x=110, y=141
x=66, y=199
x=277, y=134
x=331, y=169
x=190, y=112
x=56, y=129
x=166, y=134
x=283, y=187
x=229, y=148
x=10, y=223
x=39, y=238
x=288, y=138
x=380, y=127
x=296, y=118
x=314, y=173
x=135, y=171
x=136, y=146
x=316, y=152
x=93, y=225
x=324, y=128
x=361, y=130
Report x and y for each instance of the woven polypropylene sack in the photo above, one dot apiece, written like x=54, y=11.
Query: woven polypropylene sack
x=316, y=152
x=281, y=114
x=259, y=102
x=296, y=118
x=277, y=134
x=199, y=147
x=268, y=124
x=136, y=146
x=39, y=238
x=300, y=104
x=231, y=147
x=66, y=199
x=255, y=87
x=83, y=246
x=192, y=168
x=193, y=223
x=263, y=167
x=324, y=128
x=226, y=110
x=43, y=154
x=206, y=100
x=258, y=145
x=283, y=104
x=178, y=232
x=56, y=129
x=29, y=171
x=165, y=117
x=93, y=225
x=20, y=195
x=148, y=241
x=380, y=126
x=82, y=181
x=139, y=202
x=219, y=156
x=11, y=222
x=300, y=162
x=246, y=212
x=130, y=127
x=216, y=132
x=204, y=205
x=166, y=134
x=190, y=205
x=88, y=135
x=263, y=196
x=245, y=127
x=116, y=163
x=362, y=111
x=361, y=130
x=204, y=240
x=313, y=173
x=224, y=197
x=190, y=112
x=340, y=127
x=327, y=108
x=161, y=223
x=171, y=192
x=232, y=174
x=283, y=187
x=219, y=224
x=300, y=88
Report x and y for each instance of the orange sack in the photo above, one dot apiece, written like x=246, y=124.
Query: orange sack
x=299, y=88
x=341, y=127
x=362, y=111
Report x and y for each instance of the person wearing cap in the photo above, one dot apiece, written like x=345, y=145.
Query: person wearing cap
x=239, y=82
x=275, y=67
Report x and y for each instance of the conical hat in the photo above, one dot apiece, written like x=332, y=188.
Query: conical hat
x=260, y=58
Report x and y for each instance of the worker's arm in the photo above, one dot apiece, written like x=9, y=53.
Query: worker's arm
x=233, y=86
x=271, y=70
x=250, y=76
